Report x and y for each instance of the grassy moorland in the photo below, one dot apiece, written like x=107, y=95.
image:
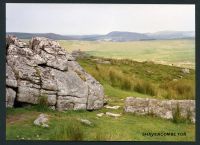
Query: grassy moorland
x=120, y=78
x=177, y=52
x=141, y=78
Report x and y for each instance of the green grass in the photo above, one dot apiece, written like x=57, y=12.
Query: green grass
x=144, y=78
x=64, y=126
x=177, y=52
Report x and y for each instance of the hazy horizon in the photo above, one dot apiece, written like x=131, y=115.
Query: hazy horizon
x=91, y=19
x=96, y=34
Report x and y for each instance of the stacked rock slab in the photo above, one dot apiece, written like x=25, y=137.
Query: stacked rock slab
x=43, y=68
x=161, y=108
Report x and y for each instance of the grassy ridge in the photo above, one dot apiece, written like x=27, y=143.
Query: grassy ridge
x=155, y=80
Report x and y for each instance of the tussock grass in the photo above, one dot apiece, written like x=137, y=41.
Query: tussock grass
x=70, y=130
x=183, y=89
x=177, y=118
x=143, y=77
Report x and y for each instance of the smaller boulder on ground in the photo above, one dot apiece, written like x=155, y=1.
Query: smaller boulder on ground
x=100, y=114
x=113, y=114
x=42, y=120
x=112, y=107
x=185, y=70
x=86, y=122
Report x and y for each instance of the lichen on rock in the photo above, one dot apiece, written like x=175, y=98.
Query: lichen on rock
x=44, y=67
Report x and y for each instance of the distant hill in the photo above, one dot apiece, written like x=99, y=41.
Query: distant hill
x=118, y=36
x=171, y=34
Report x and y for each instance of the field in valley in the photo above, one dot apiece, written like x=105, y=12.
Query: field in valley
x=177, y=52
x=120, y=78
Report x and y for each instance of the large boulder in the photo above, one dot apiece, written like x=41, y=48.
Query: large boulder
x=44, y=68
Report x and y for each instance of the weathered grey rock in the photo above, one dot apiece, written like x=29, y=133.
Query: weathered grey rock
x=74, y=85
x=71, y=102
x=160, y=108
x=10, y=97
x=185, y=70
x=112, y=107
x=78, y=54
x=15, y=41
x=45, y=68
x=136, y=105
x=113, y=114
x=86, y=122
x=28, y=95
x=42, y=120
x=100, y=114
x=10, y=77
x=95, y=89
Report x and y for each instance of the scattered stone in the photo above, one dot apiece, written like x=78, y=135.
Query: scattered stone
x=42, y=120
x=193, y=120
x=175, y=80
x=180, y=76
x=113, y=114
x=52, y=107
x=101, y=61
x=185, y=70
x=112, y=107
x=100, y=114
x=86, y=122
x=45, y=125
x=78, y=54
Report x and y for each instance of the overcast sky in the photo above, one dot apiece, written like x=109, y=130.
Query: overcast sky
x=98, y=18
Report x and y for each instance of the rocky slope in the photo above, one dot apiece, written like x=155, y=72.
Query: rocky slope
x=43, y=68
